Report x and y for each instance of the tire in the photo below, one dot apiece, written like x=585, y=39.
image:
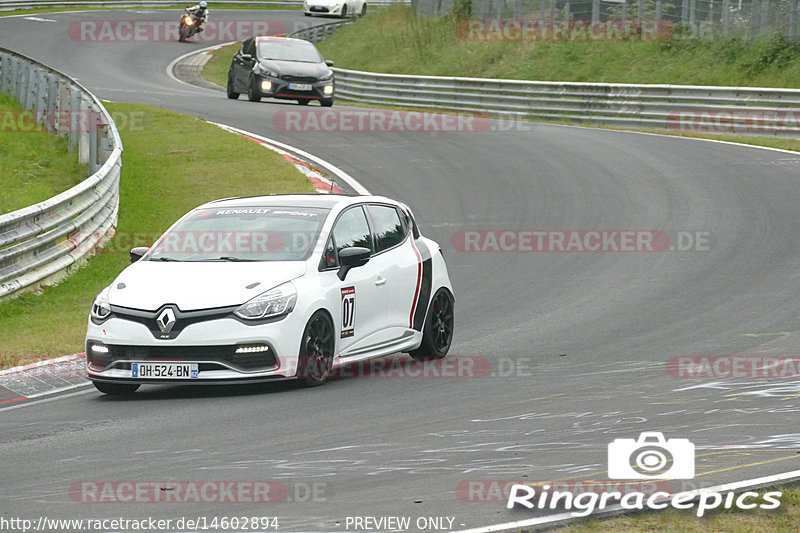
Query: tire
x=252, y=94
x=437, y=332
x=115, y=389
x=326, y=103
x=233, y=95
x=182, y=34
x=363, y=10
x=344, y=12
x=303, y=101
x=317, y=345
x=307, y=14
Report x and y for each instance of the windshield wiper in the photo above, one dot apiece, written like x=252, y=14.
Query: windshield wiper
x=232, y=258
x=163, y=258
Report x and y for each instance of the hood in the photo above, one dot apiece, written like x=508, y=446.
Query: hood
x=296, y=68
x=147, y=285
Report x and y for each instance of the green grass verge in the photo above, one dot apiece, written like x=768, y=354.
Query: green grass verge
x=216, y=68
x=782, y=520
x=174, y=164
x=34, y=165
x=393, y=40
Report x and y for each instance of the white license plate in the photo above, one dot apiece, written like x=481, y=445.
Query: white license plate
x=164, y=370
x=300, y=86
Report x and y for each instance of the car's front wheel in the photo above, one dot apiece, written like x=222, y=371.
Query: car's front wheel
x=316, y=351
x=437, y=332
x=233, y=95
x=344, y=11
x=326, y=103
x=116, y=389
x=363, y=10
x=252, y=93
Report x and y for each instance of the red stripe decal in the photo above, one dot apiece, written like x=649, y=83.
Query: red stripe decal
x=14, y=400
x=419, y=284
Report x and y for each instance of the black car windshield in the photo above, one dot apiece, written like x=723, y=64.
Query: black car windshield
x=242, y=234
x=302, y=51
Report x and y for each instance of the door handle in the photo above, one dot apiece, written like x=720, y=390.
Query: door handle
x=380, y=280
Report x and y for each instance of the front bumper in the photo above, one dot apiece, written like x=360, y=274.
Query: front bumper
x=285, y=89
x=319, y=9
x=211, y=344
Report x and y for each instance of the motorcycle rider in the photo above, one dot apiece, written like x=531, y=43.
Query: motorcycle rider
x=201, y=13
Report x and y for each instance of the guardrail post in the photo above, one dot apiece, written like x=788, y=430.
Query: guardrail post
x=764, y=18
x=595, y=9
x=792, y=36
x=692, y=13
x=552, y=10
x=40, y=100
x=83, y=136
x=754, y=22
x=64, y=106
x=726, y=17
x=52, y=102
x=640, y=10
x=685, y=12
x=567, y=11
x=74, y=112
x=5, y=73
x=30, y=89
x=658, y=10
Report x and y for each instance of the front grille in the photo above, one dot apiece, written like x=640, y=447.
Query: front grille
x=225, y=354
x=299, y=79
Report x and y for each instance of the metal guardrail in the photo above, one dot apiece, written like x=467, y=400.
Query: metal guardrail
x=737, y=110
x=39, y=243
x=317, y=33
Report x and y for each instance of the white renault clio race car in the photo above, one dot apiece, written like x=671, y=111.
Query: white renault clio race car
x=272, y=287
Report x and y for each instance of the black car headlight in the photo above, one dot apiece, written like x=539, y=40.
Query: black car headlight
x=267, y=72
x=101, y=308
x=273, y=303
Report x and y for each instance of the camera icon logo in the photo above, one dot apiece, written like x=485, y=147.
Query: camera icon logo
x=651, y=457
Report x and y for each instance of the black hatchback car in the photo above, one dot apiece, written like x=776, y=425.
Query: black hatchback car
x=280, y=67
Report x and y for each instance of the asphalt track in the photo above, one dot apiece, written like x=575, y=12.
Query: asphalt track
x=576, y=343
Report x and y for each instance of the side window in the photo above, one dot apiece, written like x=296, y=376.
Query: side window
x=388, y=229
x=249, y=47
x=352, y=230
x=329, y=259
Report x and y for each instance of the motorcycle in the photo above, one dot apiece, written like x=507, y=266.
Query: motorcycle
x=189, y=26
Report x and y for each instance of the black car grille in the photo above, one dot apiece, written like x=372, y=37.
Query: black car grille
x=299, y=79
x=223, y=354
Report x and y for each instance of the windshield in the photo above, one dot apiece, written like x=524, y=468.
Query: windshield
x=304, y=52
x=242, y=234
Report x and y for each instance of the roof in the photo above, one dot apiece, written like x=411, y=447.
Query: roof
x=327, y=201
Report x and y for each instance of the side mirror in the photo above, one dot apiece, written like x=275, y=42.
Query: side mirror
x=137, y=253
x=329, y=62
x=352, y=257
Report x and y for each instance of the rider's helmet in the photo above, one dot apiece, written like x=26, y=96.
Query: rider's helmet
x=203, y=5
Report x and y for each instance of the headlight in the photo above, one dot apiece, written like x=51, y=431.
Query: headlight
x=274, y=302
x=101, y=308
x=267, y=72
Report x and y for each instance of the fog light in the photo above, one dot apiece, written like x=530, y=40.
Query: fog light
x=328, y=89
x=266, y=86
x=99, y=348
x=253, y=349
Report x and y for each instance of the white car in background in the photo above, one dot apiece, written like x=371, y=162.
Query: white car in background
x=272, y=287
x=337, y=8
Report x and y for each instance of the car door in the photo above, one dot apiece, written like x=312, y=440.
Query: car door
x=362, y=299
x=242, y=66
x=397, y=263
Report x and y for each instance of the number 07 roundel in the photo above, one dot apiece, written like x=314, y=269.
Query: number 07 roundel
x=348, y=311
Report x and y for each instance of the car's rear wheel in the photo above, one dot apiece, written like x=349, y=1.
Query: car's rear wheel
x=316, y=351
x=116, y=389
x=252, y=93
x=233, y=95
x=303, y=101
x=363, y=10
x=437, y=332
